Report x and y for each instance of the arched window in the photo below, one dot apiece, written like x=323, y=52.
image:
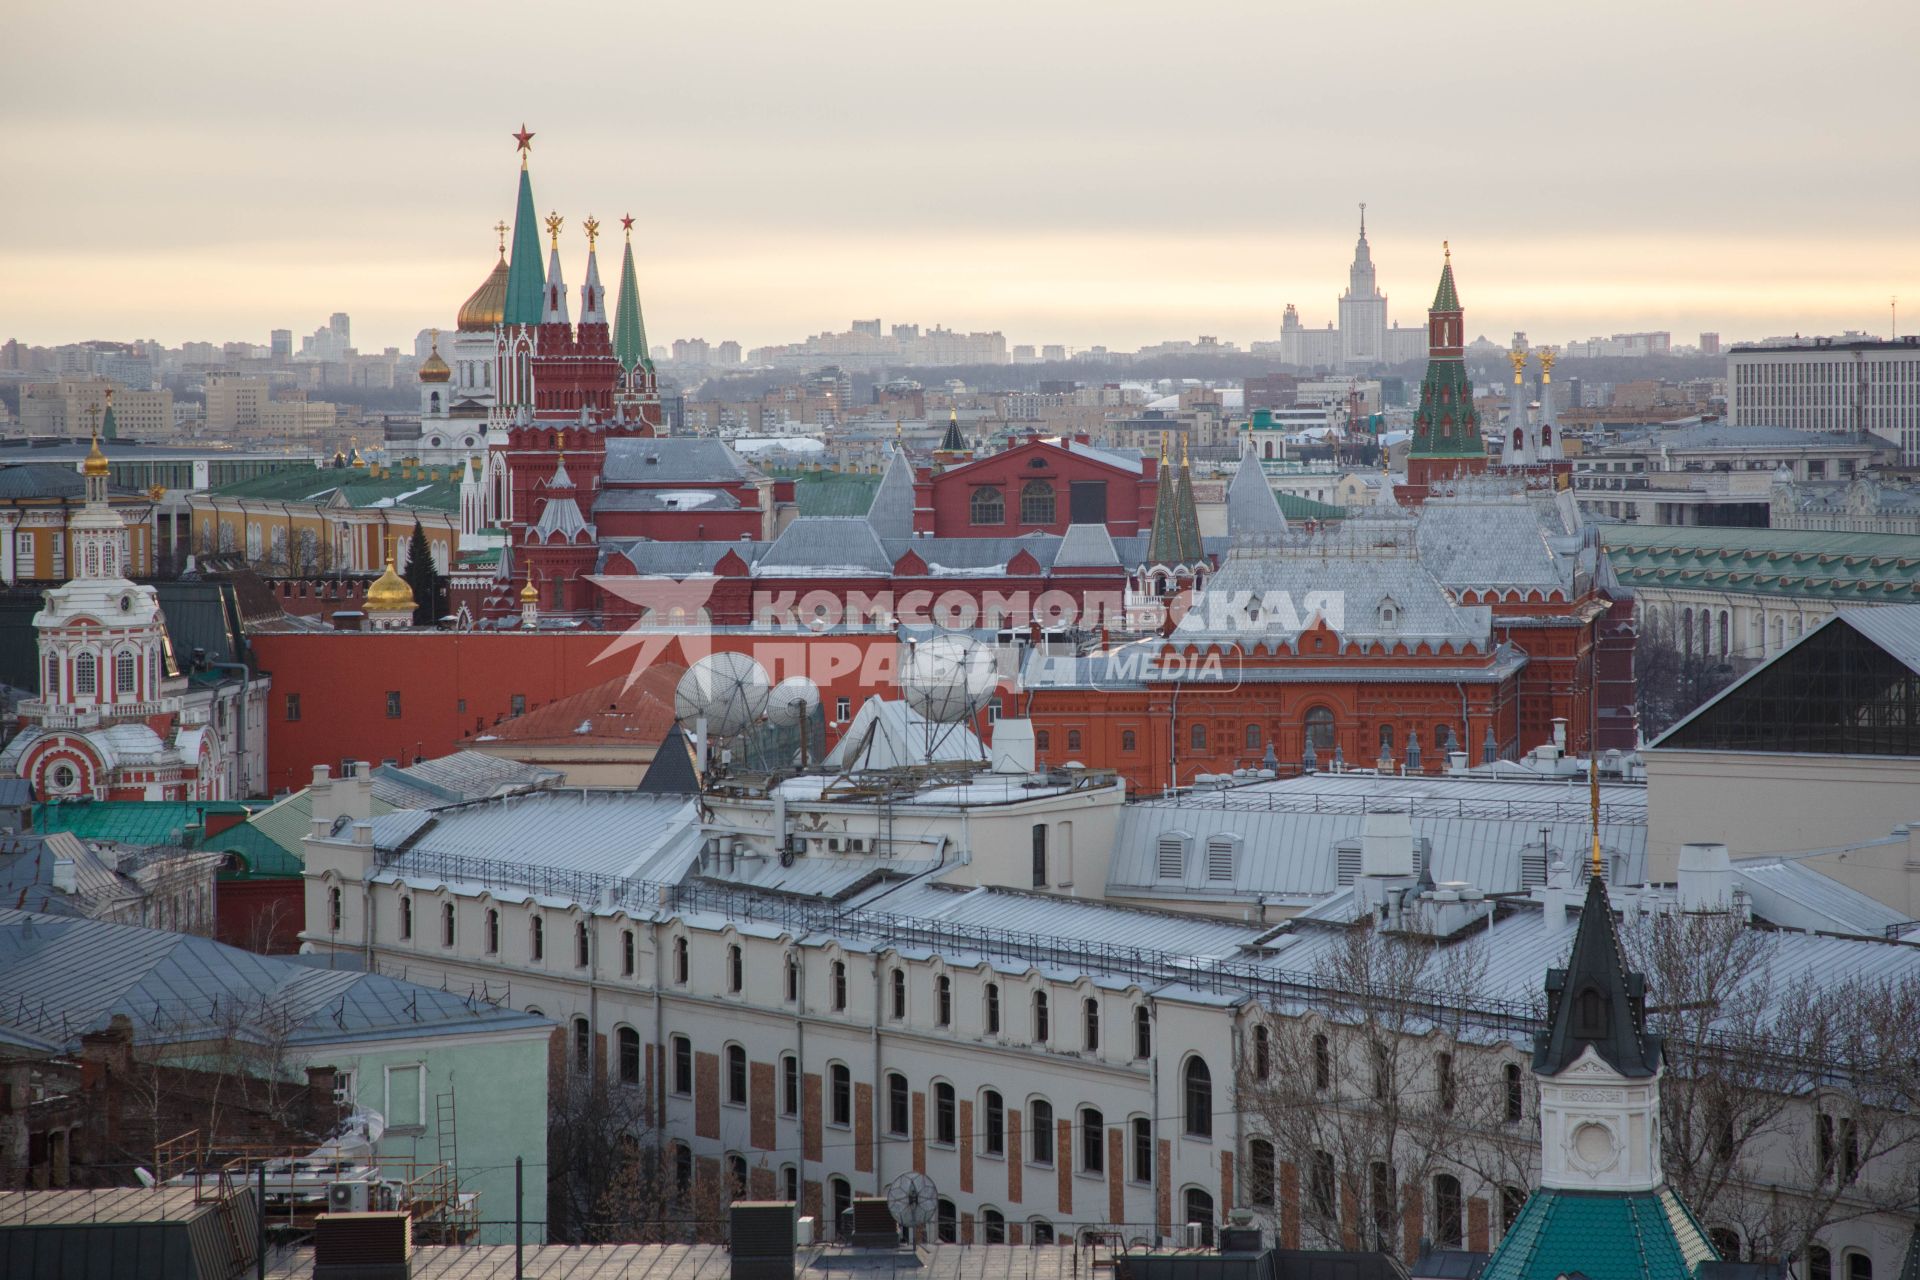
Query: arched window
x=1042, y=741
x=1819, y=1264
x=1036, y=502
x=406, y=917
x=683, y=1066
x=1142, y=1149
x=1040, y=1231
x=680, y=964
x=1516, y=1094
x=582, y=1044
x=943, y=1001
x=682, y=1168
x=537, y=943
x=1319, y=726
x=946, y=1221
x=1093, y=1141
x=1199, y=1208
x=1253, y=737
x=737, y=1075
x=1859, y=1266
x=93, y=560
x=84, y=675
x=842, y=1100
x=993, y=1008
x=1040, y=1011
x=898, y=979
x=842, y=1193
x=1447, y=1206
x=52, y=689
x=1322, y=1062
x=899, y=1104
x=582, y=945
x=1127, y=740
x=946, y=1116
x=629, y=1056
x=987, y=506
x=993, y=1226
x=1386, y=739
x=335, y=909
x=1448, y=1091
x=839, y=976
x=123, y=671
x=1321, y=1188
x=1590, y=1014
x=1040, y=1121
x=736, y=969
x=1262, y=1053
x=1197, y=737
x=994, y=1128
x=736, y=1176
x=1090, y=1025
x=493, y=931
x=446, y=924
x=1142, y=1032
x=1073, y=739
x=1514, y=1199
x=1260, y=1172
x=1198, y=1100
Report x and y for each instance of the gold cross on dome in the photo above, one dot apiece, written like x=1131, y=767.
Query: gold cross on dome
x=501, y=229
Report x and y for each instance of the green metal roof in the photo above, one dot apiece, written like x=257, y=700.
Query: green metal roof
x=142, y=822
x=353, y=485
x=629, y=327
x=270, y=840
x=1294, y=507
x=1446, y=297
x=1847, y=568
x=1603, y=1236
x=834, y=493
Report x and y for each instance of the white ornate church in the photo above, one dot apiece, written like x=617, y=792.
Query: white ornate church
x=116, y=718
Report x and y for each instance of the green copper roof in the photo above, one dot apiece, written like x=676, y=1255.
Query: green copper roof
x=1446, y=298
x=1602, y=1236
x=1845, y=568
x=141, y=822
x=1447, y=424
x=526, y=279
x=629, y=329
x=348, y=487
x=109, y=428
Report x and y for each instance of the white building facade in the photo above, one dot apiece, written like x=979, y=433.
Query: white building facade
x=1830, y=384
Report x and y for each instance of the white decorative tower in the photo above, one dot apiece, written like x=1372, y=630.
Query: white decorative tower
x=436, y=389
x=1363, y=309
x=1548, y=432
x=1517, y=446
x=1598, y=1066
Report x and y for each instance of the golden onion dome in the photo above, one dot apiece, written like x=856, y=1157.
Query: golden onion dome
x=96, y=463
x=433, y=368
x=488, y=304
x=389, y=593
x=527, y=593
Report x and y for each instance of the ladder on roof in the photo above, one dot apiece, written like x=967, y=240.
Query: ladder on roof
x=446, y=1134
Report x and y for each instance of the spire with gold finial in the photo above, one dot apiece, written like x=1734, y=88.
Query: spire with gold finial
x=556, y=309
x=593, y=298
x=433, y=368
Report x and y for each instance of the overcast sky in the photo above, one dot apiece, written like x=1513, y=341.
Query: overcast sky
x=1111, y=172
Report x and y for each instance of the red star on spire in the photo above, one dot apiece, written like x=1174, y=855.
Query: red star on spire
x=627, y=223
x=524, y=138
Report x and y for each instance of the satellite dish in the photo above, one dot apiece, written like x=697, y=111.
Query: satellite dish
x=912, y=1199
x=794, y=699
x=948, y=678
x=727, y=690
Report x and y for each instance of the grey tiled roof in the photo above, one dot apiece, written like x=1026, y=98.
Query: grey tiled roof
x=1491, y=541
x=1087, y=546
x=1253, y=512
x=1269, y=597
x=665, y=500
x=829, y=546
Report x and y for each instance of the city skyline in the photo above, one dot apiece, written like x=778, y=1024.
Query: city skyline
x=1076, y=210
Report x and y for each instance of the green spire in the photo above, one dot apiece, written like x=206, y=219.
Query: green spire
x=109, y=428
x=629, y=330
x=1444, y=298
x=1175, y=537
x=526, y=280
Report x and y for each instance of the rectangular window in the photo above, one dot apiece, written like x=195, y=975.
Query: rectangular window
x=842, y=1096
x=518, y=704
x=393, y=704
x=405, y=1104
x=789, y=1085
x=1040, y=855
x=626, y=953
x=293, y=706
x=842, y=708
x=1041, y=1115
x=1142, y=1149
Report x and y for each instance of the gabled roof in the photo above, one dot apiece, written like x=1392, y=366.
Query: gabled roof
x=827, y=546
x=1086, y=546
x=1642, y=1236
x=886, y=733
x=1595, y=1002
x=639, y=714
x=671, y=460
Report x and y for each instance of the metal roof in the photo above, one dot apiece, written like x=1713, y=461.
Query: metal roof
x=618, y=833
x=60, y=979
x=714, y=1262
x=456, y=777
x=1793, y=895
x=891, y=513
x=671, y=460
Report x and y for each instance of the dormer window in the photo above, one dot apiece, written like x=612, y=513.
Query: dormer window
x=1389, y=615
x=1590, y=1014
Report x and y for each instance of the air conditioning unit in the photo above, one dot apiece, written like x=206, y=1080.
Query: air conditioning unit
x=347, y=1197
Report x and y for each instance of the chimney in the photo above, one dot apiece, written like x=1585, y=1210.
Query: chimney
x=1556, y=894
x=63, y=877
x=1013, y=747
x=1706, y=878
x=1560, y=734
x=1386, y=843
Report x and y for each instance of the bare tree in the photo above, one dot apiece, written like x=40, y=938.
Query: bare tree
x=602, y=1154
x=1786, y=1107
x=1363, y=1096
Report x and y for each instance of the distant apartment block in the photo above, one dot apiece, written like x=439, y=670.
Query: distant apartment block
x=1852, y=383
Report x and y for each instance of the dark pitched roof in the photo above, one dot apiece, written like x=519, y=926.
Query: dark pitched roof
x=1595, y=1002
x=673, y=771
